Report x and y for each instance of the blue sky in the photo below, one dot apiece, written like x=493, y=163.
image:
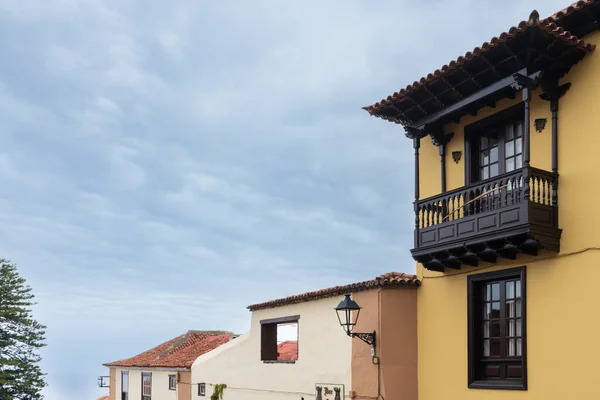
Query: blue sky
x=165, y=164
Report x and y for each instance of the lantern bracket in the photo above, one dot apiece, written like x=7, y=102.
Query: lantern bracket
x=368, y=338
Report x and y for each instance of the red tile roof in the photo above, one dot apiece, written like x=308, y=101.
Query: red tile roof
x=394, y=279
x=578, y=5
x=547, y=26
x=179, y=352
x=287, y=350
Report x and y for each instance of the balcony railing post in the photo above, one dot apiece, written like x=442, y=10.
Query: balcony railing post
x=416, y=145
x=554, y=110
x=526, y=131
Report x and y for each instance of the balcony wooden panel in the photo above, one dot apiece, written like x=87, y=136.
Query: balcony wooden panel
x=509, y=214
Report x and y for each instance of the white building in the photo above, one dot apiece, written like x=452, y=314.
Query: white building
x=252, y=368
x=163, y=372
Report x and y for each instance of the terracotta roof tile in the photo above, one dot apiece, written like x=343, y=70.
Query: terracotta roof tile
x=397, y=279
x=287, y=350
x=547, y=26
x=179, y=352
x=578, y=5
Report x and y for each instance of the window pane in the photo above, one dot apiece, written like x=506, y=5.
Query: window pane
x=484, y=173
x=511, y=348
x=510, y=309
x=486, y=329
x=495, y=291
x=510, y=164
x=519, y=327
x=484, y=157
x=519, y=346
x=518, y=146
x=518, y=287
x=518, y=129
x=518, y=314
x=486, y=348
x=494, y=347
x=494, y=329
x=483, y=141
x=488, y=292
x=493, y=170
x=510, y=328
x=519, y=162
x=509, y=131
x=487, y=313
x=510, y=290
x=494, y=154
x=509, y=149
x=493, y=141
x=495, y=310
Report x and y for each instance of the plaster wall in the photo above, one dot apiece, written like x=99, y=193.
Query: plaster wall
x=324, y=356
x=392, y=313
x=160, y=385
x=562, y=293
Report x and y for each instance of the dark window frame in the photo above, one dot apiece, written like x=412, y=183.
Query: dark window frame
x=475, y=283
x=477, y=129
x=143, y=396
x=268, y=339
x=125, y=393
x=202, y=389
x=173, y=380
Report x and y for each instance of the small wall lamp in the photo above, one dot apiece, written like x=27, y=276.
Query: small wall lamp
x=456, y=155
x=348, y=319
x=539, y=124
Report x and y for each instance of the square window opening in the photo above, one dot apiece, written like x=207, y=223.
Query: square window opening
x=279, y=340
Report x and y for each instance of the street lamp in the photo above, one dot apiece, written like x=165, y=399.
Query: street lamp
x=348, y=312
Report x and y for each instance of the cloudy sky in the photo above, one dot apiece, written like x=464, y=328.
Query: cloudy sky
x=165, y=164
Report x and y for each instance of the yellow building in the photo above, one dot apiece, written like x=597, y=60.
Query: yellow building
x=507, y=231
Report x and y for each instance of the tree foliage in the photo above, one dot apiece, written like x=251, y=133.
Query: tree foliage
x=21, y=337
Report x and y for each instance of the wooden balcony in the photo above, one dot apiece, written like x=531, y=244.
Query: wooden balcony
x=513, y=213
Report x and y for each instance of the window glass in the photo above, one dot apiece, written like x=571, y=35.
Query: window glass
x=496, y=334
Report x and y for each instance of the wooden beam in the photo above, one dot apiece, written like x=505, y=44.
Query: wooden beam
x=505, y=83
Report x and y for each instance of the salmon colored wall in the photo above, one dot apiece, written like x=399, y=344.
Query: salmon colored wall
x=562, y=294
x=398, y=344
x=364, y=372
x=392, y=313
x=184, y=389
x=112, y=391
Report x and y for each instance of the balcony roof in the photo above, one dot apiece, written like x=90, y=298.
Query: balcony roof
x=533, y=45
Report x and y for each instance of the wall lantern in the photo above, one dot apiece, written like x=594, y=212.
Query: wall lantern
x=539, y=124
x=456, y=155
x=348, y=312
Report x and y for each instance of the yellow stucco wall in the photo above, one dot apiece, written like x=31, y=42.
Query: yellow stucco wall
x=562, y=294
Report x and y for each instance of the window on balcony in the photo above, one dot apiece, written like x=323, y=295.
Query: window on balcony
x=495, y=145
x=497, y=351
x=498, y=150
x=146, y=386
x=124, y=385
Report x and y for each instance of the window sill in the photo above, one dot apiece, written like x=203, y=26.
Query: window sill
x=279, y=361
x=498, y=385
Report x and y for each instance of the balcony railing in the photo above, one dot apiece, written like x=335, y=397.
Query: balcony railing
x=488, y=217
x=104, y=381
